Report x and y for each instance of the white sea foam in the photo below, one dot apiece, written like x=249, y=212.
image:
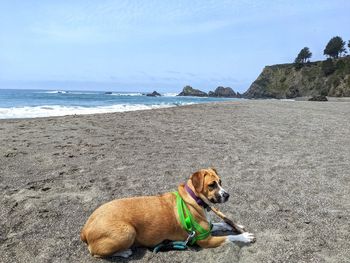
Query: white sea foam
x=68, y=92
x=82, y=93
x=54, y=91
x=57, y=110
x=169, y=94
x=126, y=94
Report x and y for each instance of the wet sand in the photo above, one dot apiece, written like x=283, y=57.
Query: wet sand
x=286, y=165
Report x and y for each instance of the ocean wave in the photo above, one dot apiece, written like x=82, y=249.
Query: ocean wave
x=55, y=92
x=170, y=94
x=58, y=110
x=125, y=94
x=69, y=92
x=82, y=93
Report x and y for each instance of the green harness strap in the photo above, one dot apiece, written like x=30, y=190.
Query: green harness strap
x=188, y=222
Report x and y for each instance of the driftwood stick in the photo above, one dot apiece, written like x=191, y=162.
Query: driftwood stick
x=235, y=227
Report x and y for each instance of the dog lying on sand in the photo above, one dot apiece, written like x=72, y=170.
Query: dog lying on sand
x=149, y=220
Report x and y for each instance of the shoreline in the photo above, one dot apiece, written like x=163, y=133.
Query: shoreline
x=89, y=111
x=156, y=107
x=285, y=165
x=33, y=104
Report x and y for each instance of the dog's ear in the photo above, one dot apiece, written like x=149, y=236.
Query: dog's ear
x=198, y=181
x=212, y=168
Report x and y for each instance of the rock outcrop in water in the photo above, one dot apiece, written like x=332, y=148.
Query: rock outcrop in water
x=222, y=92
x=153, y=94
x=327, y=78
x=189, y=91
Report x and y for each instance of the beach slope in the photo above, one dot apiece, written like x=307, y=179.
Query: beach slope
x=286, y=165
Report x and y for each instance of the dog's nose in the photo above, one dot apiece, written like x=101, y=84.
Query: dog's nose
x=226, y=196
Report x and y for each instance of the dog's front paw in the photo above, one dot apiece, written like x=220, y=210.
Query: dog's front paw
x=245, y=237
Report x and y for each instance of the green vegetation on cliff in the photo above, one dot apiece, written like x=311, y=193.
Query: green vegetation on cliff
x=303, y=56
x=329, y=78
x=335, y=47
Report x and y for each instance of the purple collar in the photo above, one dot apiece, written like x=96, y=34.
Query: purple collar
x=196, y=198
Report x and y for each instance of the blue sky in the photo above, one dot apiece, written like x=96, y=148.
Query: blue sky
x=158, y=45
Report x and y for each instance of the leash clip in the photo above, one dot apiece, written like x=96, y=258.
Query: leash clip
x=189, y=238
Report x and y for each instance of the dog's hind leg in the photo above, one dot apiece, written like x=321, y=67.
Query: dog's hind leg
x=106, y=243
x=124, y=254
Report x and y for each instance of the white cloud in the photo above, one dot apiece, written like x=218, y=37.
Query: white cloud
x=110, y=21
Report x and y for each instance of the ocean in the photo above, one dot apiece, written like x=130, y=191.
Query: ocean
x=44, y=103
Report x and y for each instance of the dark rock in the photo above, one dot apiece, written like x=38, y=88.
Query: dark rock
x=318, y=98
x=108, y=92
x=292, y=92
x=189, y=91
x=223, y=93
x=153, y=94
x=10, y=154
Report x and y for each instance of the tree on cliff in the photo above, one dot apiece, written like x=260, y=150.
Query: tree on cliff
x=335, y=47
x=303, y=55
x=349, y=44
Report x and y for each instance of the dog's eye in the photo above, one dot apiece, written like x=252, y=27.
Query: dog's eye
x=212, y=185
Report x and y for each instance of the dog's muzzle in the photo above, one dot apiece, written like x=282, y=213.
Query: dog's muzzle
x=225, y=197
x=221, y=196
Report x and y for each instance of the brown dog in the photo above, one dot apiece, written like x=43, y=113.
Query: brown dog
x=148, y=220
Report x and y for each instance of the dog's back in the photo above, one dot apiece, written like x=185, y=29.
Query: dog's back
x=153, y=218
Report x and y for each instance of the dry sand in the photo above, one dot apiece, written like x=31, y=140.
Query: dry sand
x=286, y=165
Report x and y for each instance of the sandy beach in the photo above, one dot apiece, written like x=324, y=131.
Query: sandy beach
x=286, y=165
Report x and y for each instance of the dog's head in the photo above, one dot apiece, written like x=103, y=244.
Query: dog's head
x=208, y=183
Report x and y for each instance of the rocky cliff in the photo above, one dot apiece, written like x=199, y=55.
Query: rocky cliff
x=328, y=78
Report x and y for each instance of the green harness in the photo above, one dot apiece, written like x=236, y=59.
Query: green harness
x=189, y=224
